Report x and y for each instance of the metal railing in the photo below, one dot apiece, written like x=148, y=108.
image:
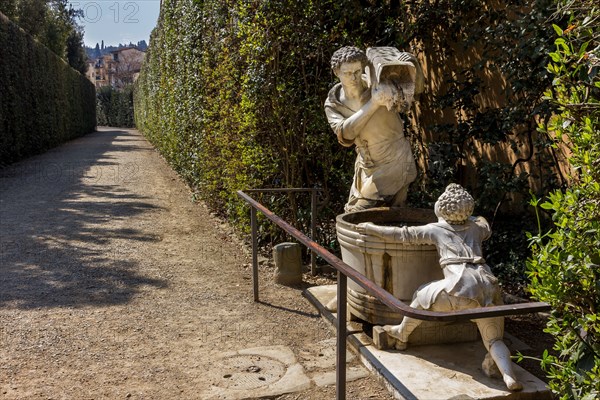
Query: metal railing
x=344, y=271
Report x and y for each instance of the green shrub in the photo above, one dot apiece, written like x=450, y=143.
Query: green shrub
x=115, y=107
x=565, y=264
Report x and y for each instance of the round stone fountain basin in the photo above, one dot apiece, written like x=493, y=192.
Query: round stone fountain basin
x=398, y=268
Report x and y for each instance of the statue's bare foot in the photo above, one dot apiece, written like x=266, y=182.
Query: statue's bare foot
x=490, y=368
x=392, y=332
x=512, y=384
x=400, y=345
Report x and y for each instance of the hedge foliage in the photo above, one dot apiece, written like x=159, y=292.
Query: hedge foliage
x=232, y=96
x=115, y=107
x=53, y=23
x=43, y=101
x=232, y=92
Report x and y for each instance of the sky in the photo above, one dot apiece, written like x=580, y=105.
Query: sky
x=117, y=21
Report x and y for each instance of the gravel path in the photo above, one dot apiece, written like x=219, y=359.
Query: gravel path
x=115, y=285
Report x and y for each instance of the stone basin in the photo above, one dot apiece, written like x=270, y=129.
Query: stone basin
x=398, y=268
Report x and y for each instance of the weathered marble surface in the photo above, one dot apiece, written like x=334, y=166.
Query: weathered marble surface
x=468, y=282
x=363, y=111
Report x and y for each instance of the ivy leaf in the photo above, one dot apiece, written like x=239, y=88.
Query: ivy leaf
x=583, y=48
x=558, y=30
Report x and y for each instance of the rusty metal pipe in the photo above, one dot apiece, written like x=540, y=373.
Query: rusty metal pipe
x=313, y=231
x=254, y=228
x=384, y=296
x=340, y=372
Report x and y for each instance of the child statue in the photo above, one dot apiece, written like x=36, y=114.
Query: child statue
x=468, y=281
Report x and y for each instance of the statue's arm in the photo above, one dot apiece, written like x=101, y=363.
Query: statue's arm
x=405, y=234
x=353, y=126
x=370, y=229
x=392, y=233
x=336, y=121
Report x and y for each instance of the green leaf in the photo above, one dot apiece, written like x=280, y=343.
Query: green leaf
x=555, y=57
x=583, y=48
x=547, y=206
x=557, y=29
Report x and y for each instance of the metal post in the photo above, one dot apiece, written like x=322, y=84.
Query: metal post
x=313, y=230
x=254, y=252
x=340, y=379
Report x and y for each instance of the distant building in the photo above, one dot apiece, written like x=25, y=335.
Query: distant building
x=119, y=68
x=91, y=70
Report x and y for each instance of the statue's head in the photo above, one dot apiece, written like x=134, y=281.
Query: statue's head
x=348, y=54
x=455, y=205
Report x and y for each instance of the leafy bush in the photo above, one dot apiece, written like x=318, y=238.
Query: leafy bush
x=43, y=101
x=565, y=264
x=115, y=107
x=232, y=92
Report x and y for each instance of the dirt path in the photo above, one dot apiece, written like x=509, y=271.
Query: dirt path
x=114, y=285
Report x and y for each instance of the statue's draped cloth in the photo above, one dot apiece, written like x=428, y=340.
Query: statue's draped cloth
x=466, y=275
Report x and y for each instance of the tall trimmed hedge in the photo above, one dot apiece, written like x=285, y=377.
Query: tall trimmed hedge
x=115, y=107
x=232, y=94
x=211, y=97
x=43, y=101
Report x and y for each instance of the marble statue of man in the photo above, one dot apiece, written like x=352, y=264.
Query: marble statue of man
x=362, y=117
x=468, y=281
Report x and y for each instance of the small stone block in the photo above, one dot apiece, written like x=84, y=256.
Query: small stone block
x=381, y=339
x=288, y=263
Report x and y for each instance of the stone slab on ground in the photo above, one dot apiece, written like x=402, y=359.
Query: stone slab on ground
x=447, y=372
x=433, y=371
x=329, y=377
x=255, y=373
x=274, y=370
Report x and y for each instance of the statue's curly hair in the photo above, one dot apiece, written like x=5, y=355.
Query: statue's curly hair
x=348, y=54
x=455, y=205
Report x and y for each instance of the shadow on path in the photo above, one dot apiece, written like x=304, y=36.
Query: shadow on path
x=290, y=310
x=70, y=223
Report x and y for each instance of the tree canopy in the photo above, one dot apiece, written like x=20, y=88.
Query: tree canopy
x=54, y=24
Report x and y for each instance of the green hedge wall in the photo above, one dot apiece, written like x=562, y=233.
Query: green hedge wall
x=115, y=107
x=231, y=92
x=43, y=101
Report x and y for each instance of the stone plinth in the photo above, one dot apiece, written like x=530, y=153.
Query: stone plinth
x=288, y=263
